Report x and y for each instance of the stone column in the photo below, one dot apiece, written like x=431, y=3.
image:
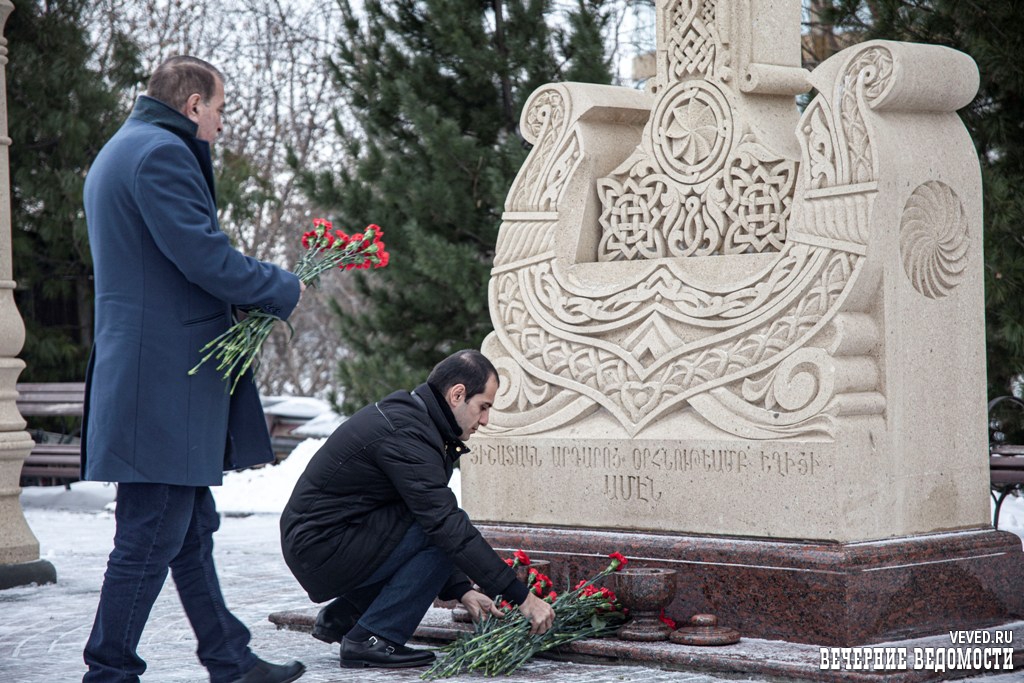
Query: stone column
x=19, y=549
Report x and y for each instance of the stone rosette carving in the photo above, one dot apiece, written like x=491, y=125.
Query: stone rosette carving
x=934, y=239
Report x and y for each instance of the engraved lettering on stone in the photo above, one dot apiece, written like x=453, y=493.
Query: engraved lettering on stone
x=629, y=487
x=934, y=239
x=509, y=455
x=789, y=464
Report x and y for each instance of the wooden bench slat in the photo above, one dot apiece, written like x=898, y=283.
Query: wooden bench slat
x=36, y=397
x=55, y=449
x=56, y=399
x=64, y=474
x=62, y=410
x=1007, y=449
x=1012, y=478
x=62, y=397
x=1005, y=462
x=55, y=462
x=52, y=410
x=50, y=386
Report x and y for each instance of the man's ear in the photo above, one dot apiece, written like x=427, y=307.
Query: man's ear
x=456, y=395
x=192, y=106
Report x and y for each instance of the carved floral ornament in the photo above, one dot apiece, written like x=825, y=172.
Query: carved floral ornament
x=746, y=351
x=934, y=239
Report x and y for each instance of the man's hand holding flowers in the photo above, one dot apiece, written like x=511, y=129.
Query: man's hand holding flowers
x=539, y=613
x=500, y=646
x=479, y=605
x=238, y=349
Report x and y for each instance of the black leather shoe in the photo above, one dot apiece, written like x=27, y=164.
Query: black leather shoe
x=265, y=672
x=335, y=620
x=377, y=652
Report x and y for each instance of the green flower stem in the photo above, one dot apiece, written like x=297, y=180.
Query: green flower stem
x=238, y=348
x=500, y=645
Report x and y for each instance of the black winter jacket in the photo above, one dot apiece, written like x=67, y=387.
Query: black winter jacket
x=382, y=469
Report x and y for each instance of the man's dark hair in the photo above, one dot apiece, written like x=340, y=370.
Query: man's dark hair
x=179, y=77
x=468, y=367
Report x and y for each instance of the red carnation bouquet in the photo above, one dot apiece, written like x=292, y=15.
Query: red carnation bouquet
x=500, y=645
x=238, y=348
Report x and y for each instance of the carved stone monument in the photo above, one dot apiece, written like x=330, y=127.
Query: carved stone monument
x=748, y=343
x=19, y=549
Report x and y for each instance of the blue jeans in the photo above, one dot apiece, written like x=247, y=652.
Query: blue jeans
x=160, y=526
x=410, y=579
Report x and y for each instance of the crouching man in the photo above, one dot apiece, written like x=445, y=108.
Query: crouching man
x=373, y=527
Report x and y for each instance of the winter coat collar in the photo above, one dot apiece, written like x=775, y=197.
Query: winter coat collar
x=151, y=110
x=443, y=418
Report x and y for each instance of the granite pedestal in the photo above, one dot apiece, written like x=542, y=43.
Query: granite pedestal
x=835, y=594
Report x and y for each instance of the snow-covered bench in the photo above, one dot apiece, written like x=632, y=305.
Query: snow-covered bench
x=53, y=461
x=1005, y=458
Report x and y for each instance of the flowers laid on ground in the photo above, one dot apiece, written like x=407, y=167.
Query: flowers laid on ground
x=238, y=349
x=500, y=645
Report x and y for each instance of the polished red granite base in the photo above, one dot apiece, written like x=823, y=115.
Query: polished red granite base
x=821, y=593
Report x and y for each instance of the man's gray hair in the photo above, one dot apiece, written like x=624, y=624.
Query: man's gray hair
x=177, y=78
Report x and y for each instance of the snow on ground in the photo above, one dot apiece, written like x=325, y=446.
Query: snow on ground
x=265, y=489
x=294, y=406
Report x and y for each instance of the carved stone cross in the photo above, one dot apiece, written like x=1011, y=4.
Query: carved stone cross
x=714, y=172
x=705, y=281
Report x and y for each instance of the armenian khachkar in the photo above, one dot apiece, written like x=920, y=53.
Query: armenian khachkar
x=720, y=315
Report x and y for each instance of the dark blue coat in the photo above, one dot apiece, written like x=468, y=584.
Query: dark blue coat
x=166, y=281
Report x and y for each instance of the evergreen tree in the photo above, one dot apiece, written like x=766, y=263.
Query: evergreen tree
x=60, y=113
x=992, y=33
x=433, y=90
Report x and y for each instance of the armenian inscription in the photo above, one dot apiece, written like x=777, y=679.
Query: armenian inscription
x=629, y=471
x=732, y=459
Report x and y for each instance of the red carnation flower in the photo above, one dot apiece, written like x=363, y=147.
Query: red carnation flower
x=618, y=561
x=236, y=350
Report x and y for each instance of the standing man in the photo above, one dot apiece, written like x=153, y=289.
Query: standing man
x=167, y=280
x=373, y=525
